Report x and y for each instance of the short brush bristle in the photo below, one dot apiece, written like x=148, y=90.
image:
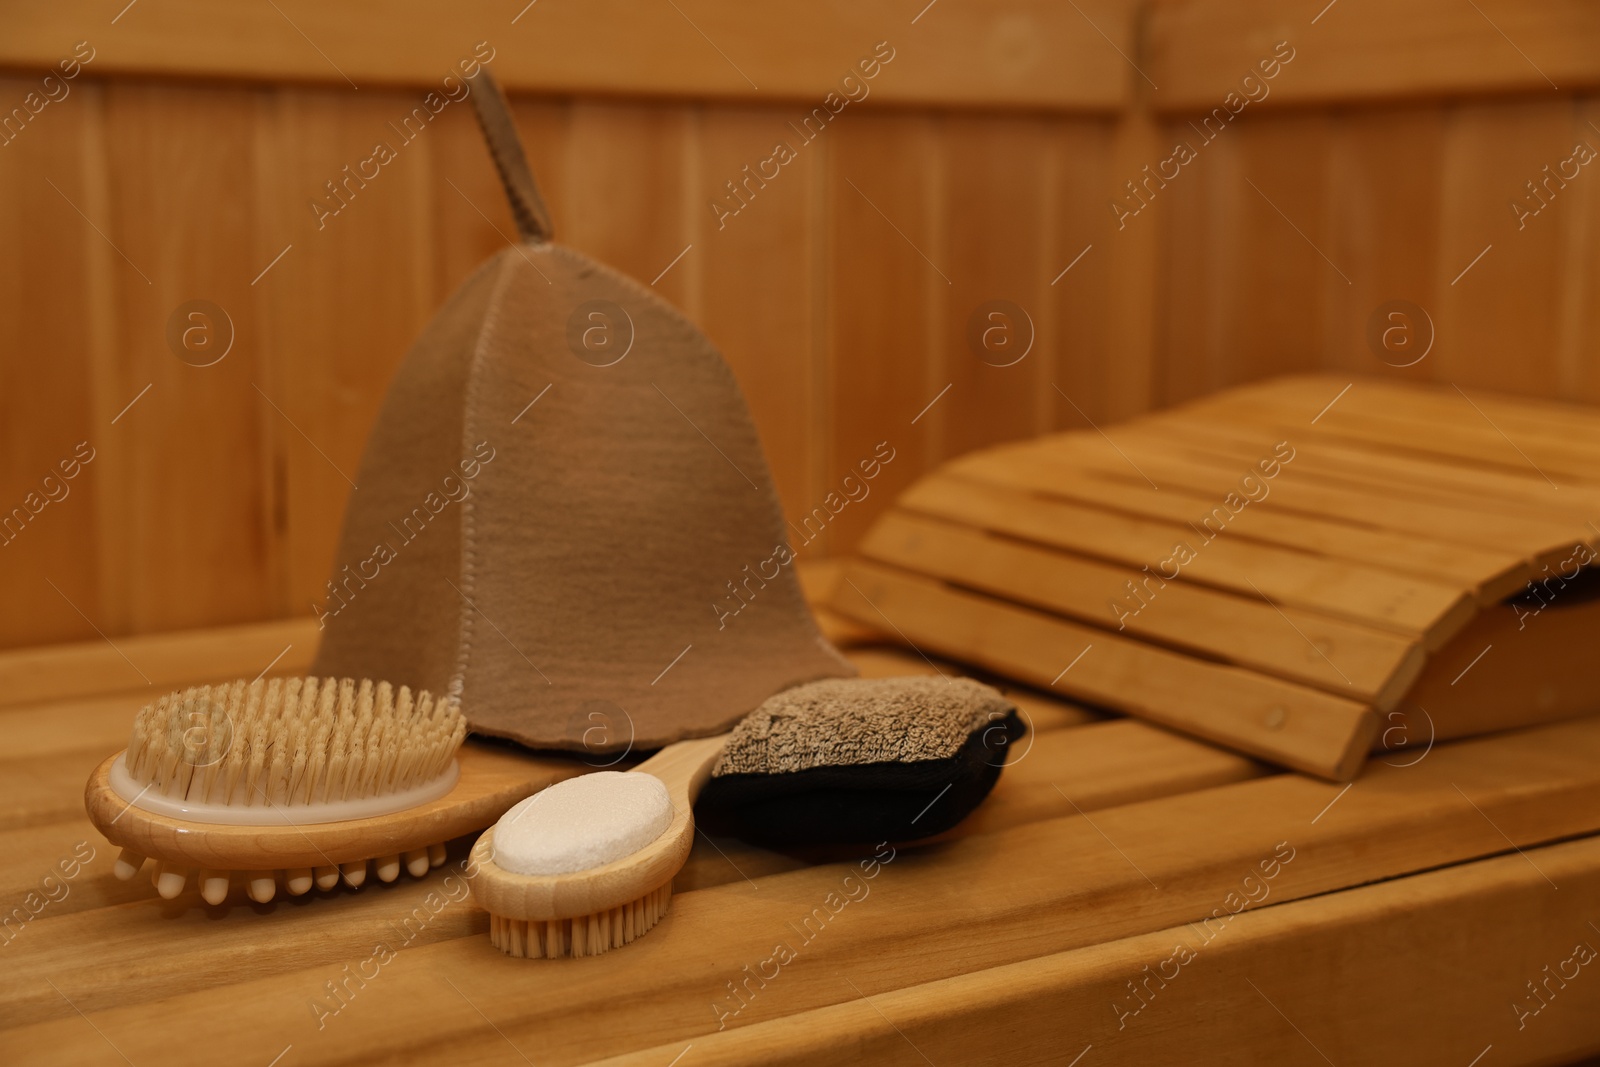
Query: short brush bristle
x=586, y=935
x=292, y=741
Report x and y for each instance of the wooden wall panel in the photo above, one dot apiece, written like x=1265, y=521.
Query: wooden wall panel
x=188, y=512
x=754, y=275
x=1385, y=170
x=1133, y=269
x=841, y=295
x=1373, y=50
x=1196, y=218
x=830, y=316
x=344, y=304
x=1287, y=230
x=990, y=53
x=1402, y=202
x=1248, y=264
x=883, y=298
x=1085, y=349
x=1499, y=323
x=1580, y=305
x=627, y=177
x=45, y=335
x=999, y=181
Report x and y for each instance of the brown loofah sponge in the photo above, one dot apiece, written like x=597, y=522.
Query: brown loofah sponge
x=838, y=723
x=858, y=760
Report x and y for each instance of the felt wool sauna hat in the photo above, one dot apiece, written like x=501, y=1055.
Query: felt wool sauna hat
x=560, y=507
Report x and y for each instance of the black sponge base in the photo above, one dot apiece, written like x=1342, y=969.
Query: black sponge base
x=861, y=804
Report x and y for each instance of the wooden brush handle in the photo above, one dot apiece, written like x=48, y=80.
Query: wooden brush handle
x=491, y=782
x=684, y=768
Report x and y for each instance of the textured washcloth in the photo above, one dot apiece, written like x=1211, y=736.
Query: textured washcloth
x=858, y=760
x=564, y=518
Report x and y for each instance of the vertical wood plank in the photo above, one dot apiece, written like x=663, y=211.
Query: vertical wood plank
x=1201, y=217
x=884, y=366
x=1248, y=275
x=186, y=530
x=625, y=166
x=1498, y=325
x=1386, y=170
x=1047, y=391
x=1580, y=298
x=46, y=398
x=992, y=206
x=342, y=306
x=756, y=277
x=1100, y=366
x=1132, y=377
x=111, y=391
x=1287, y=274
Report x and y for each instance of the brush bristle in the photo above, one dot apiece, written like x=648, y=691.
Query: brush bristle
x=292, y=741
x=586, y=935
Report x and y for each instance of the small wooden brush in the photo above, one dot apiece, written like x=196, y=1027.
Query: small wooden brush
x=588, y=865
x=584, y=913
x=300, y=783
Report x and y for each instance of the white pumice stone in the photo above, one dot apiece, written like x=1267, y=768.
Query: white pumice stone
x=582, y=823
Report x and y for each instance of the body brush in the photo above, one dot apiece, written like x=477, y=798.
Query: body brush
x=299, y=783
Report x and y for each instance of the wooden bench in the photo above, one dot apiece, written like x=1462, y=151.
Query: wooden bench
x=1126, y=895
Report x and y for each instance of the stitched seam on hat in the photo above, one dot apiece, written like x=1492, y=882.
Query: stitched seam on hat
x=468, y=571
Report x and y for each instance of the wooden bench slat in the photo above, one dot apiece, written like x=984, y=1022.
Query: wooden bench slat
x=1532, y=519
x=1331, y=964
x=1495, y=489
x=1461, y=443
x=191, y=657
x=1315, y=649
x=1107, y=764
x=1462, y=566
x=964, y=906
x=1554, y=422
x=1398, y=511
x=1412, y=606
x=1291, y=725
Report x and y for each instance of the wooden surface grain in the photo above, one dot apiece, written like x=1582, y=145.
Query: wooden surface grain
x=988, y=162
x=1364, y=50
x=1009, y=940
x=1031, y=53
